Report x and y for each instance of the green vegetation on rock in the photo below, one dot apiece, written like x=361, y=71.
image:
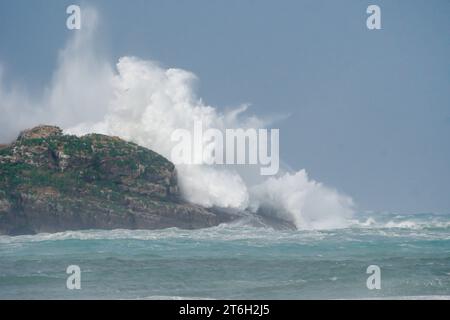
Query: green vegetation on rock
x=53, y=182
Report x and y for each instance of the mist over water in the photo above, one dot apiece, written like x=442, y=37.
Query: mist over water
x=141, y=101
x=151, y=102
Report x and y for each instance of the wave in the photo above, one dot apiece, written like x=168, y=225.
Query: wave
x=411, y=222
x=254, y=228
x=151, y=102
x=141, y=101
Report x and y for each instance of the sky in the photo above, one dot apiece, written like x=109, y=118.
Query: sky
x=364, y=111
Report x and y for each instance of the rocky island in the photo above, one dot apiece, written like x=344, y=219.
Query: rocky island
x=52, y=182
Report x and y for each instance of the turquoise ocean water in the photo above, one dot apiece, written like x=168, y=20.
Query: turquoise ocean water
x=235, y=261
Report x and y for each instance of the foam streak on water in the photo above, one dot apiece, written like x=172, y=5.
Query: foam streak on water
x=235, y=261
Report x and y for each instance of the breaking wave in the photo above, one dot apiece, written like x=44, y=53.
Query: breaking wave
x=431, y=226
x=141, y=101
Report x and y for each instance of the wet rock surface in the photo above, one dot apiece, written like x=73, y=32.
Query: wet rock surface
x=51, y=182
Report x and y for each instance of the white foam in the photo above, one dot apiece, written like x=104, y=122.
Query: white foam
x=307, y=203
x=141, y=101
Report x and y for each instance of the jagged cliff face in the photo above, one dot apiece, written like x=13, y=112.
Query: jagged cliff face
x=53, y=182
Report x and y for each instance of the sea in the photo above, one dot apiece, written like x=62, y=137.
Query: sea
x=240, y=260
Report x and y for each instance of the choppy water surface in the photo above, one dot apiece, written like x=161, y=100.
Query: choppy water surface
x=235, y=261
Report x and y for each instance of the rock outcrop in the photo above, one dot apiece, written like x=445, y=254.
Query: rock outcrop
x=51, y=182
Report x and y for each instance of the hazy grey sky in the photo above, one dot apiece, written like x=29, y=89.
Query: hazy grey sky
x=369, y=111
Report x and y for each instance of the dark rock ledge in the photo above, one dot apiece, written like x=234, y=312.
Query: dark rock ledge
x=51, y=182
